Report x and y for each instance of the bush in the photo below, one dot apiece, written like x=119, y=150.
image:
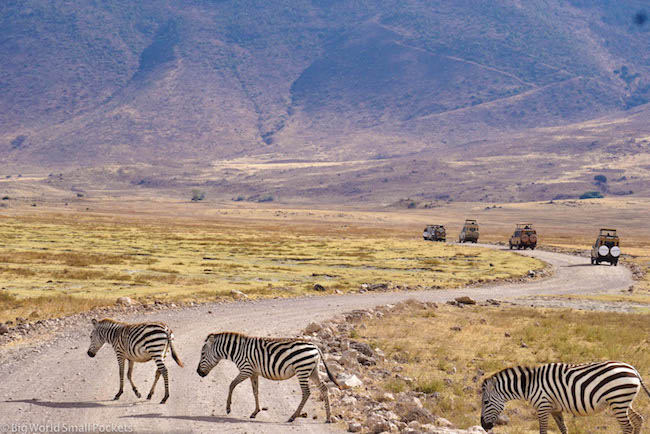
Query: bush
x=238, y=198
x=268, y=198
x=600, y=178
x=591, y=195
x=197, y=195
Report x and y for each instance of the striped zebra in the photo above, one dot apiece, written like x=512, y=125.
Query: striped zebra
x=275, y=359
x=135, y=343
x=581, y=390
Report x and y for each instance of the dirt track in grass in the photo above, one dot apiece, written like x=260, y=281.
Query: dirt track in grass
x=57, y=383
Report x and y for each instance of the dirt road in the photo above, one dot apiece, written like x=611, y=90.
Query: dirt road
x=58, y=384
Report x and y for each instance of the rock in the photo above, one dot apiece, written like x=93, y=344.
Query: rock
x=378, y=287
x=238, y=295
x=348, y=381
x=366, y=361
x=377, y=424
x=506, y=334
x=4, y=329
x=350, y=358
x=349, y=400
x=354, y=427
x=441, y=421
x=124, y=301
x=476, y=429
x=465, y=300
x=531, y=273
x=387, y=396
x=456, y=328
x=312, y=328
x=493, y=302
x=363, y=348
x=319, y=287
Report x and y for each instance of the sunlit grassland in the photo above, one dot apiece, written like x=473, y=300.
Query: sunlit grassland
x=440, y=359
x=101, y=258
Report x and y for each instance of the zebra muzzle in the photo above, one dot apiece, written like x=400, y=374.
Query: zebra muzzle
x=91, y=354
x=201, y=373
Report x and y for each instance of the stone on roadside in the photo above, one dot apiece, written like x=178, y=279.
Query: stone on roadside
x=4, y=329
x=124, y=301
x=312, y=328
x=237, y=295
x=354, y=427
x=465, y=300
x=319, y=287
x=348, y=381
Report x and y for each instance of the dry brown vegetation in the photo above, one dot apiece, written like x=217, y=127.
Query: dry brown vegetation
x=446, y=352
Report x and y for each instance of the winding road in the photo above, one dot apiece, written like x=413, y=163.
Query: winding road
x=57, y=384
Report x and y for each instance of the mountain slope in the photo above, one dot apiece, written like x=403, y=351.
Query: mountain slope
x=196, y=81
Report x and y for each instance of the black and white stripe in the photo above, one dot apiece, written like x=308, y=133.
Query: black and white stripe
x=275, y=359
x=135, y=343
x=581, y=390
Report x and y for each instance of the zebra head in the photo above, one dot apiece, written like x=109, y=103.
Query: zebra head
x=492, y=403
x=96, y=339
x=210, y=356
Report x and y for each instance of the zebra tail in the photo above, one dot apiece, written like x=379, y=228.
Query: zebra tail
x=327, y=369
x=170, y=338
x=643, y=385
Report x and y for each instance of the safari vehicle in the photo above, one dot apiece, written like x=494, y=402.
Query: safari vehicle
x=435, y=233
x=606, y=248
x=524, y=237
x=469, y=233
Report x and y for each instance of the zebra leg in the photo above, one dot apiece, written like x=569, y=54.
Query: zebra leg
x=163, y=370
x=559, y=420
x=304, y=386
x=120, y=363
x=624, y=421
x=636, y=419
x=542, y=417
x=238, y=379
x=255, y=382
x=129, y=374
x=153, y=386
x=324, y=393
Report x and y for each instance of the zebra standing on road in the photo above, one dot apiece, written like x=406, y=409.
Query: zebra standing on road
x=135, y=343
x=581, y=390
x=275, y=359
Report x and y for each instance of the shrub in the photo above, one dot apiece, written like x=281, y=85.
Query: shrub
x=600, y=178
x=591, y=195
x=238, y=198
x=268, y=198
x=197, y=195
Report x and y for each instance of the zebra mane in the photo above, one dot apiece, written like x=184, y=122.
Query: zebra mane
x=511, y=368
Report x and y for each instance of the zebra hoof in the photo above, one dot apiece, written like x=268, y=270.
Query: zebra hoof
x=227, y=411
x=137, y=394
x=291, y=419
x=163, y=401
x=117, y=396
x=149, y=396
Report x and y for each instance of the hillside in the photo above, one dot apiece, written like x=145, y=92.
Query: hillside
x=170, y=90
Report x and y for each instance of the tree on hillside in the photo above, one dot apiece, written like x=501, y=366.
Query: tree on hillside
x=600, y=178
x=197, y=195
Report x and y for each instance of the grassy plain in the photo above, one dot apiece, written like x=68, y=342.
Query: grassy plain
x=55, y=264
x=451, y=362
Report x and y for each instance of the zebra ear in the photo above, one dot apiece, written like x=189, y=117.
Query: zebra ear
x=94, y=321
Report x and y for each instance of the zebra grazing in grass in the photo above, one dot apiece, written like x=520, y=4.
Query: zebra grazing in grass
x=135, y=343
x=581, y=390
x=275, y=359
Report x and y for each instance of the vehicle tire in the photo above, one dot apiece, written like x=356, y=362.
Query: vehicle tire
x=616, y=263
x=532, y=247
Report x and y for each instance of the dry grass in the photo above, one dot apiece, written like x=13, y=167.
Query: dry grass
x=102, y=258
x=450, y=362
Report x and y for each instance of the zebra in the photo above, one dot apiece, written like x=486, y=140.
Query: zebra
x=135, y=343
x=272, y=358
x=581, y=390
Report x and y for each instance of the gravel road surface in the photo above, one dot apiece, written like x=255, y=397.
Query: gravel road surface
x=55, y=383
